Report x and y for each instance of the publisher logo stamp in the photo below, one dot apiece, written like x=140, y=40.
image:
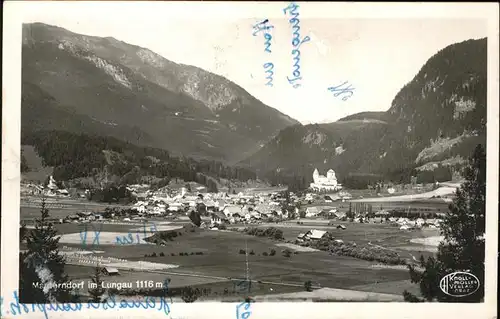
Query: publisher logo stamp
x=459, y=284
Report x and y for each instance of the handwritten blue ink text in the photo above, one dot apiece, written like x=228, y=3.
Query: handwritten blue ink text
x=292, y=9
x=17, y=308
x=243, y=315
x=128, y=239
x=268, y=67
x=120, y=240
x=83, y=236
x=342, y=90
x=264, y=26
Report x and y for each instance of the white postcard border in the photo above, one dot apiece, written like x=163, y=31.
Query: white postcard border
x=10, y=201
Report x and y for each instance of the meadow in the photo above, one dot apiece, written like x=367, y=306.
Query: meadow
x=212, y=259
x=221, y=263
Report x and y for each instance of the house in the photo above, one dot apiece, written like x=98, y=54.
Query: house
x=110, y=271
x=405, y=227
x=176, y=207
x=315, y=234
x=140, y=209
x=255, y=214
x=312, y=211
x=340, y=215
x=84, y=214
x=142, y=196
x=419, y=222
x=210, y=204
x=309, y=197
x=62, y=192
x=262, y=208
x=219, y=218
x=301, y=236
x=229, y=211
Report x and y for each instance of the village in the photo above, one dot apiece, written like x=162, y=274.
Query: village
x=218, y=211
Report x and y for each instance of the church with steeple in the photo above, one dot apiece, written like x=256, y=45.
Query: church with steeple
x=325, y=183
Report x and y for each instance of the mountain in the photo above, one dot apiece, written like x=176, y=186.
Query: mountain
x=103, y=86
x=433, y=124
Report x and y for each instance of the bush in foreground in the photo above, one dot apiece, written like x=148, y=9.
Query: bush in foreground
x=189, y=295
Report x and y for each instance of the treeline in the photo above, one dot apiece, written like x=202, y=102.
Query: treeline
x=403, y=176
x=79, y=155
x=295, y=183
x=439, y=174
x=360, y=181
x=111, y=194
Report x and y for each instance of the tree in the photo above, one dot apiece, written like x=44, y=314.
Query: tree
x=308, y=285
x=189, y=294
x=97, y=292
x=463, y=245
x=42, y=263
x=278, y=234
x=195, y=217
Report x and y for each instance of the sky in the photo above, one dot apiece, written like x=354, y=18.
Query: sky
x=373, y=54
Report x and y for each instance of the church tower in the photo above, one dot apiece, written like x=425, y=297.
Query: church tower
x=315, y=175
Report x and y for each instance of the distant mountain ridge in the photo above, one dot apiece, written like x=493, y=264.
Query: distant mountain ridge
x=108, y=87
x=433, y=122
x=368, y=116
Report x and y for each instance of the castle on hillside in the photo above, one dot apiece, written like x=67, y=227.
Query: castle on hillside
x=325, y=183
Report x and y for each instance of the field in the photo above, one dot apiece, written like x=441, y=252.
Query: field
x=211, y=259
x=384, y=235
x=221, y=262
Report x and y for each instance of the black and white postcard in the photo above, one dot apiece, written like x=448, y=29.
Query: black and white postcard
x=249, y=160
